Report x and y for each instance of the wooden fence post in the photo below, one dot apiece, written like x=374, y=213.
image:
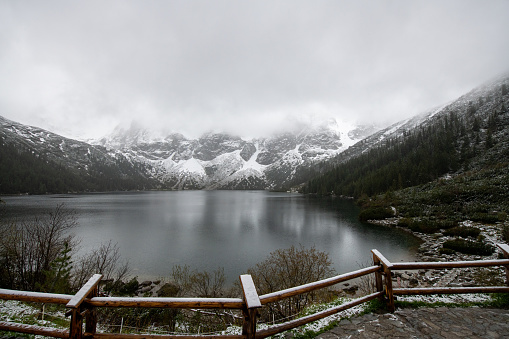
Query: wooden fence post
x=252, y=304
x=378, y=276
x=388, y=289
x=76, y=327
x=76, y=308
x=91, y=315
x=505, y=250
x=387, y=266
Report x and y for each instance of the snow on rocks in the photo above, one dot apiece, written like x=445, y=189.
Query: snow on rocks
x=429, y=251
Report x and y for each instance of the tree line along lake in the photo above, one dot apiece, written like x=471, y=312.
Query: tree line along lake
x=207, y=230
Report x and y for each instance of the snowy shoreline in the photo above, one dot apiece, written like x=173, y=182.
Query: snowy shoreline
x=429, y=251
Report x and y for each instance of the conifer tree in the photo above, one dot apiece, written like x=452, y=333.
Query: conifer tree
x=489, y=139
x=59, y=275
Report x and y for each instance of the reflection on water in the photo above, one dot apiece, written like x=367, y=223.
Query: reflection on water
x=230, y=229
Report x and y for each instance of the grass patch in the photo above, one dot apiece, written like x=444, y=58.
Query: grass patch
x=463, y=231
x=312, y=334
x=404, y=222
x=375, y=213
x=447, y=251
x=423, y=226
x=496, y=300
x=469, y=247
x=499, y=300
x=487, y=218
x=374, y=306
x=6, y=334
x=447, y=224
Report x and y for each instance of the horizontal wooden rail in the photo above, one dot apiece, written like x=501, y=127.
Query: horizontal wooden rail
x=160, y=336
x=316, y=316
x=279, y=295
x=450, y=290
x=37, y=297
x=155, y=302
x=33, y=329
x=444, y=264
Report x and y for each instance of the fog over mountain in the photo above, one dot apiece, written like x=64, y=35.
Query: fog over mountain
x=38, y=161
x=81, y=69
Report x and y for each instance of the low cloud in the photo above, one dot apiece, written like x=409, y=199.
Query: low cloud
x=81, y=68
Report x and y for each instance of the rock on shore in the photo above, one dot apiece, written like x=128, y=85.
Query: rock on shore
x=429, y=251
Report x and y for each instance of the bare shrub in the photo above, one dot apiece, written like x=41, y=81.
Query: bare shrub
x=185, y=282
x=191, y=283
x=105, y=260
x=366, y=283
x=28, y=249
x=285, y=268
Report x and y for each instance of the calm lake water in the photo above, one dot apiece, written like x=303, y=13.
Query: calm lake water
x=230, y=229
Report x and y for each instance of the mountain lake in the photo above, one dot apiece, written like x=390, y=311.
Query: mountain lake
x=211, y=229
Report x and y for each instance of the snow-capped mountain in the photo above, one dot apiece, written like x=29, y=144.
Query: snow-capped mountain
x=223, y=161
x=146, y=159
x=35, y=160
x=73, y=153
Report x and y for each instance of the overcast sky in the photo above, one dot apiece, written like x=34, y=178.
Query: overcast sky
x=80, y=68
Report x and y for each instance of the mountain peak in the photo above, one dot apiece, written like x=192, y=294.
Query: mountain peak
x=129, y=135
x=220, y=159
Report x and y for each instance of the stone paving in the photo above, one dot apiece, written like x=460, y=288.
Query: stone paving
x=425, y=322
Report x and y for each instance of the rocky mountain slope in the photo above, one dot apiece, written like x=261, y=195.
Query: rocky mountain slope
x=33, y=160
x=136, y=158
x=223, y=161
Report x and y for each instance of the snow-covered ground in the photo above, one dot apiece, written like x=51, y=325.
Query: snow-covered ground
x=15, y=311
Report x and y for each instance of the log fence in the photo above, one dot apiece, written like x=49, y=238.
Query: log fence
x=82, y=307
x=388, y=268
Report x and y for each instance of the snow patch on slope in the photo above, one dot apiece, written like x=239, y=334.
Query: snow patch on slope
x=251, y=164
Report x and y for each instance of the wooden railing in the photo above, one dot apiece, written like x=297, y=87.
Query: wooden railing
x=83, y=305
x=389, y=267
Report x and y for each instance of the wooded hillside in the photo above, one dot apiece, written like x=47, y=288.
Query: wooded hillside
x=458, y=156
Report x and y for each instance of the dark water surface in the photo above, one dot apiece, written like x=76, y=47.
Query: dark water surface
x=230, y=229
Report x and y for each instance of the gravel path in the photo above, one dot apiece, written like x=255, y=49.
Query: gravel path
x=424, y=322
